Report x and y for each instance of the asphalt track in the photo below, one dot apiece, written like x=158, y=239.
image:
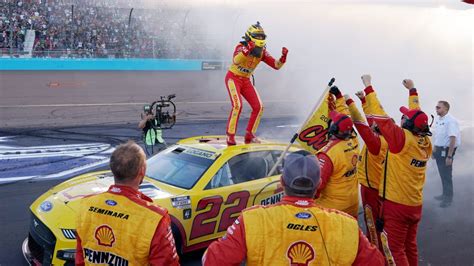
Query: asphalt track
x=103, y=108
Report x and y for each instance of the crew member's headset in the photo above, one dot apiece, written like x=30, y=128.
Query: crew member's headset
x=409, y=124
x=334, y=127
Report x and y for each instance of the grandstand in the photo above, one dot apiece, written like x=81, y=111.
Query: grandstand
x=99, y=29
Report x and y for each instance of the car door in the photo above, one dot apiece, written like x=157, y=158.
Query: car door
x=240, y=182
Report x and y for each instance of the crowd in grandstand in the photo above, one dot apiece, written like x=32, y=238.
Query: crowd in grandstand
x=81, y=30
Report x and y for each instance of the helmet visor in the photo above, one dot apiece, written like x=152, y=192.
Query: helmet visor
x=258, y=36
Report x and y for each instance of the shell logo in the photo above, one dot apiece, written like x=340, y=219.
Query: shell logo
x=105, y=235
x=354, y=160
x=300, y=254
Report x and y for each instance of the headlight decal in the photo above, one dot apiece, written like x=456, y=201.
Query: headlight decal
x=69, y=233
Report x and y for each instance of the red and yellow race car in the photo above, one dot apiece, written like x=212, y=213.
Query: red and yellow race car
x=202, y=182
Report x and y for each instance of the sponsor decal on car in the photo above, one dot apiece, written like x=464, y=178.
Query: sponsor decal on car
x=200, y=153
x=183, y=202
x=187, y=214
x=272, y=199
x=149, y=189
x=46, y=206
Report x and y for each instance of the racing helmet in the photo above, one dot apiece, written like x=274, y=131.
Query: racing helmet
x=256, y=34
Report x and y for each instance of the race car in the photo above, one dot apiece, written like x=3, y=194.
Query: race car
x=202, y=182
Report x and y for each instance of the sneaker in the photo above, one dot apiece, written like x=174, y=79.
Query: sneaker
x=440, y=197
x=231, y=140
x=250, y=138
x=445, y=204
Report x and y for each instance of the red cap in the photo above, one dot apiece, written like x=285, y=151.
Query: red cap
x=344, y=121
x=421, y=120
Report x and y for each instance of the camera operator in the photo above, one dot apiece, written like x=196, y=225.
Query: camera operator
x=150, y=126
x=148, y=119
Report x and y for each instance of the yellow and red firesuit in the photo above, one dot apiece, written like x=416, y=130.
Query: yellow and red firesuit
x=295, y=231
x=409, y=149
x=371, y=160
x=369, y=168
x=123, y=227
x=338, y=159
x=247, y=55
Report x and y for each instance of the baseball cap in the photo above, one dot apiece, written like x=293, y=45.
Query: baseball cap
x=344, y=122
x=421, y=120
x=301, y=166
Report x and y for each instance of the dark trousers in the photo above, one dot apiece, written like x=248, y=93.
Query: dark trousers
x=445, y=172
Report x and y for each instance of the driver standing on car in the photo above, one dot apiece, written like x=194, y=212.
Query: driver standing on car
x=247, y=56
x=296, y=231
x=122, y=226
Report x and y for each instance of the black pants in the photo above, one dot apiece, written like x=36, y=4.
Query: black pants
x=445, y=172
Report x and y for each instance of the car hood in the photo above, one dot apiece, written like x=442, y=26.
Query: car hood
x=58, y=206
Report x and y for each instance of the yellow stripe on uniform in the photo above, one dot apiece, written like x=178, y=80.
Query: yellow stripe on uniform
x=386, y=249
x=369, y=217
x=260, y=113
x=234, y=96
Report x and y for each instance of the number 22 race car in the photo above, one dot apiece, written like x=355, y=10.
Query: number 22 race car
x=202, y=182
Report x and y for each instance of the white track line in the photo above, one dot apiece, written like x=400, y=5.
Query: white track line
x=78, y=170
x=18, y=178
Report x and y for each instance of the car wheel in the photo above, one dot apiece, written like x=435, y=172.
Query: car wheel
x=177, y=239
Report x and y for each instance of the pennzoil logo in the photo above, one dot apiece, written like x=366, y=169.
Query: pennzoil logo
x=104, y=235
x=300, y=254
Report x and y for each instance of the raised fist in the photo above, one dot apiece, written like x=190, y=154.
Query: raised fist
x=360, y=94
x=334, y=90
x=408, y=83
x=367, y=80
x=284, y=52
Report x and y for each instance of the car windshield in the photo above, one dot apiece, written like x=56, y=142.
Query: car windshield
x=179, y=166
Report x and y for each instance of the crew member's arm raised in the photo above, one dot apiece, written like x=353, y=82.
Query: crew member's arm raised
x=393, y=134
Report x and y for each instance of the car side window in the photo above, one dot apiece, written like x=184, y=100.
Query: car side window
x=245, y=167
x=276, y=155
x=222, y=178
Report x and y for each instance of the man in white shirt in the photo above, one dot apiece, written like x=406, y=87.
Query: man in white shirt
x=446, y=139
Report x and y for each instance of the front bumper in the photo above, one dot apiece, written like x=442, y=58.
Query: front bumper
x=39, y=247
x=29, y=257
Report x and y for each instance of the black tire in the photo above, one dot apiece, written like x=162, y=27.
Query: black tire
x=177, y=239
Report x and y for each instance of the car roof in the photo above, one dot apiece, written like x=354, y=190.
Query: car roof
x=218, y=144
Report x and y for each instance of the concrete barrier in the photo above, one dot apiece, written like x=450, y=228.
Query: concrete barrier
x=134, y=64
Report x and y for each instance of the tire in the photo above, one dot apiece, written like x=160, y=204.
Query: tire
x=177, y=239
